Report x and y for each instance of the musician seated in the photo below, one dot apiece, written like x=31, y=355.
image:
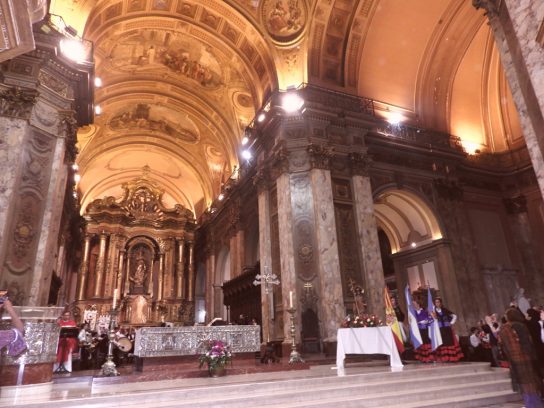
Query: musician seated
x=67, y=343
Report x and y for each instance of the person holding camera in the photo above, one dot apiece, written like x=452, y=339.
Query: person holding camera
x=12, y=338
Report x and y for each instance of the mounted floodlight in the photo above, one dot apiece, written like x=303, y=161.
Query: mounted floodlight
x=291, y=102
x=395, y=118
x=245, y=139
x=75, y=167
x=73, y=49
x=221, y=196
x=77, y=177
x=97, y=110
x=70, y=30
x=261, y=117
x=97, y=82
x=246, y=154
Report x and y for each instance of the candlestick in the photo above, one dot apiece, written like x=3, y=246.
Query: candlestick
x=291, y=299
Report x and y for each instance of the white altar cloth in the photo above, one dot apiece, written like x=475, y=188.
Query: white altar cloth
x=366, y=340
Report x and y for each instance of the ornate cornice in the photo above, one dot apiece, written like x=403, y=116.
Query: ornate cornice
x=516, y=205
x=320, y=156
x=359, y=164
x=17, y=103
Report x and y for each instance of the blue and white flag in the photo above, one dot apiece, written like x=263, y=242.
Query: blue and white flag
x=434, y=328
x=415, y=335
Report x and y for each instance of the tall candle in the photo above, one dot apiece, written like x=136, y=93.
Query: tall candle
x=115, y=292
x=291, y=299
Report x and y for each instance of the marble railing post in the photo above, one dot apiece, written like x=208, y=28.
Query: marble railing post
x=191, y=279
x=84, y=269
x=100, y=266
x=180, y=270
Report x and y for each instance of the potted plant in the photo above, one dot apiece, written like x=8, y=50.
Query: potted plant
x=216, y=355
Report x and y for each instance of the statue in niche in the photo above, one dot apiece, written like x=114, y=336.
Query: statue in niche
x=138, y=278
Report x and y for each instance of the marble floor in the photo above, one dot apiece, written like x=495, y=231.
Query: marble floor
x=80, y=389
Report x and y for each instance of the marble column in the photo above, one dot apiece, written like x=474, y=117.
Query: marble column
x=180, y=269
x=331, y=298
x=287, y=262
x=517, y=28
x=191, y=278
x=265, y=252
x=209, y=295
x=371, y=259
x=100, y=266
x=529, y=276
x=84, y=269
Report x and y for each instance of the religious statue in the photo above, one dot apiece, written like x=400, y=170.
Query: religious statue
x=138, y=277
x=359, y=305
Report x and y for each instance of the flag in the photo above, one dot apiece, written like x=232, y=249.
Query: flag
x=434, y=329
x=415, y=335
x=391, y=319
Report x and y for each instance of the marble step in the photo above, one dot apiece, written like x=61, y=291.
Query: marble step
x=371, y=389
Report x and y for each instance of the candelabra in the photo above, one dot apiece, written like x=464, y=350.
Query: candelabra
x=108, y=368
x=294, y=357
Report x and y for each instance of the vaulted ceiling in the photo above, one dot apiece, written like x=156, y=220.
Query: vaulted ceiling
x=181, y=79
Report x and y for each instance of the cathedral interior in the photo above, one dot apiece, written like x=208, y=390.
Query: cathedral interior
x=196, y=159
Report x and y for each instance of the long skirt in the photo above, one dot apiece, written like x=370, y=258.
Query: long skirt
x=449, y=351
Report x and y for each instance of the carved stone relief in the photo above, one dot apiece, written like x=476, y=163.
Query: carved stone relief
x=284, y=20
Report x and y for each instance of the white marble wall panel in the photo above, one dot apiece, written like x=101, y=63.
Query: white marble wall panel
x=370, y=247
x=12, y=135
x=331, y=299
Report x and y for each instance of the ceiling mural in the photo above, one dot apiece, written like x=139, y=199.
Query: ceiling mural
x=149, y=50
x=182, y=78
x=155, y=119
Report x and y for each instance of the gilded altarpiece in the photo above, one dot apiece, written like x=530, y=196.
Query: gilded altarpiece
x=134, y=243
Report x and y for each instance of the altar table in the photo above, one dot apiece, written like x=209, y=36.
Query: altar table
x=366, y=340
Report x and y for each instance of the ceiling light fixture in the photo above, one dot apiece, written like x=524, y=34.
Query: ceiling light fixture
x=246, y=154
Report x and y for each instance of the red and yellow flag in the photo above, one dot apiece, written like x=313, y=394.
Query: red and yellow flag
x=391, y=320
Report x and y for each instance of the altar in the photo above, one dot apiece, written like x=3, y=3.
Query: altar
x=366, y=340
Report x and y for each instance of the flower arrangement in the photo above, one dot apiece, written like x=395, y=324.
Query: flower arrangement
x=362, y=320
x=216, y=354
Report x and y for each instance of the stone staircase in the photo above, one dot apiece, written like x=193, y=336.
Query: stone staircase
x=453, y=385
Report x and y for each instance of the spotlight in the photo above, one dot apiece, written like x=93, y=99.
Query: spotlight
x=261, y=117
x=70, y=30
x=413, y=244
x=73, y=49
x=245, y=140
x=97, y=82
x=395, y=118
x=77, y=177
x=97, y=110
x=246, y=154
x=75, y=167
x=291, y=102
x=221, y=196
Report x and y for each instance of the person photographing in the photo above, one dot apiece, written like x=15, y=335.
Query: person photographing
x=12, y=338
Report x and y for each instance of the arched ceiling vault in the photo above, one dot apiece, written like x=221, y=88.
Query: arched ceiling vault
x=182, y=78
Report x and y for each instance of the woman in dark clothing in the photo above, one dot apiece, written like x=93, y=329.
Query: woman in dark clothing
x=515, y=341
x=424, y=352
x=449, y=351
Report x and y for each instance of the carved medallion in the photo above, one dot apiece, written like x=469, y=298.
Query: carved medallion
x=284, y=20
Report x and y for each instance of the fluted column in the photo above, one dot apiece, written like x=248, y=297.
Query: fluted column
x=120, y=271
x=160, y=280
x=84, y=269
x=191, y=283
x=180, y=270
x=100, y=266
